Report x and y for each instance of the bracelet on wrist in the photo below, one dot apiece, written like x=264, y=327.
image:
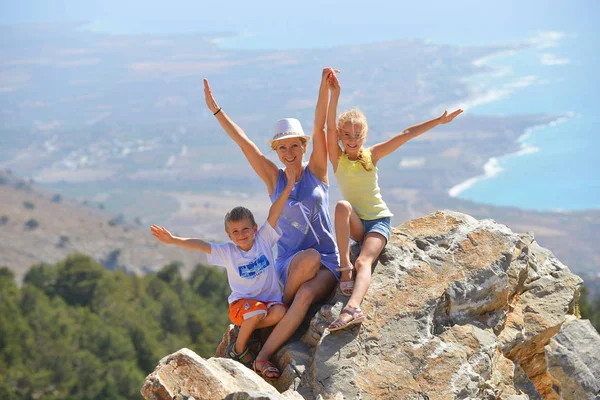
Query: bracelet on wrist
x=218, y=111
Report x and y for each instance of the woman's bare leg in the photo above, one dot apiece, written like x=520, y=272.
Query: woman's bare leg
x=303, y=267
x=313, y=290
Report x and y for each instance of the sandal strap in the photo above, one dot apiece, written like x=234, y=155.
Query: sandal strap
x=267, y=366
x=351, y=311
x=235, y=356
x=348, y=268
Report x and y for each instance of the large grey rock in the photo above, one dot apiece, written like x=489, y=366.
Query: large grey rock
x=185, y=376
x=457, y=309
x=573, y=358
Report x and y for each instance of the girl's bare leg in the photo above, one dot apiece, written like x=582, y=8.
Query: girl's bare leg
x=347, y=225
x=371, y=248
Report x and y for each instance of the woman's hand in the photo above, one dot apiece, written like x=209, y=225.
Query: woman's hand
x=445, y=118
x=333, y=83
x=326, y=74
x=211, y=103
x=161, y=234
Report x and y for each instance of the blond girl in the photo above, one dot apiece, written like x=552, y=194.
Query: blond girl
x=362, y=215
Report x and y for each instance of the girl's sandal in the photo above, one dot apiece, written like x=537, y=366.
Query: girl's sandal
x=266, y=369
x=346, y=287
x=357, y=317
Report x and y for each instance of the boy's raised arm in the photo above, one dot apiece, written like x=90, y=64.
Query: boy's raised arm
x=277, y=206
x=166, y=237
x=381, y=150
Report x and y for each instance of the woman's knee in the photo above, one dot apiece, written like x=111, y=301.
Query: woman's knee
x=305, y=265
x=312, y=257
x=310, y=260
x=343, y=209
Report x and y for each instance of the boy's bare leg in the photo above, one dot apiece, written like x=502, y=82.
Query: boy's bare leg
x=248, y=326
x=274, y=315
x=347, y=225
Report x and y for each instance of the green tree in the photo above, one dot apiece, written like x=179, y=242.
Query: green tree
x=76, y=330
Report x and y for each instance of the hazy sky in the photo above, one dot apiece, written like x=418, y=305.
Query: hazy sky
x=311, y=23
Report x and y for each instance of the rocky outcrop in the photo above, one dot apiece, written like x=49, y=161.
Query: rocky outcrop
x=458, y=308
x=185, y=375
x=573, y=358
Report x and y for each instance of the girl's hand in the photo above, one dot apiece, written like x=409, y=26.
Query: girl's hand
x=327, y=71
x=291, y=177
x=161, y=234
x=445, y=118
x=326, y=75
x=333, y=83
x=208, y=97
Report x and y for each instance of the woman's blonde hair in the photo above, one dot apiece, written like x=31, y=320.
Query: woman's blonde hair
x=275, y=143
x=356, y=117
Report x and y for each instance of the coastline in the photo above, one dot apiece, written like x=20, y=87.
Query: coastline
x=493, y=167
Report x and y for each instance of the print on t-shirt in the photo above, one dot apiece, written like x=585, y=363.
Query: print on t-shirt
x=255, y=268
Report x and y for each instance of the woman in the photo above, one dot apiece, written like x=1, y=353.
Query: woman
x=307, y=254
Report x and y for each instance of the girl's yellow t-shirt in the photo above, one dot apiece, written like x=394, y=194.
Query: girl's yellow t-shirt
x=360, y=187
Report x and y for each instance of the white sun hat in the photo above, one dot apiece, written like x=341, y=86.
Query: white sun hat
x=288, y=128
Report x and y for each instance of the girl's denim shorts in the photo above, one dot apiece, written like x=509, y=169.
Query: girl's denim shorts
x=383, y=226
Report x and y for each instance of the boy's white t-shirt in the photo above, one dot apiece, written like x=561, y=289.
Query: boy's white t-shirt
x=251, y=273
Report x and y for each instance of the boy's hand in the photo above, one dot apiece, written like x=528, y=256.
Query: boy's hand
x=211, y=103
x=291, y=177
x=161, y=234
x=445, y=118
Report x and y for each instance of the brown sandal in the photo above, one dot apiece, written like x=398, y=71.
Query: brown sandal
x=357, y=317
x=268, y=370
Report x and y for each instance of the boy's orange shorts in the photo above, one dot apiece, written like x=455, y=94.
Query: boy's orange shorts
x=243, y=309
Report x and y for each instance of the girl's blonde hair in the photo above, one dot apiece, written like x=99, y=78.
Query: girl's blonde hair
x=275, y=143
x=356, y=117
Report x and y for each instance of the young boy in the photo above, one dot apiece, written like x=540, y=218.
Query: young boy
x=255, y=300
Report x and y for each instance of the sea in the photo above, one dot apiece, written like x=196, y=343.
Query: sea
x=555, y=167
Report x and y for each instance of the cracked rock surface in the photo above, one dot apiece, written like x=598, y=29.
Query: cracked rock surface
x=457, y=309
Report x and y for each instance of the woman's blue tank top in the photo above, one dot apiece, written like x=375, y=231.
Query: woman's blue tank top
x=305, y=222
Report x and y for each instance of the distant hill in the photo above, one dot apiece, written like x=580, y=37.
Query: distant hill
x=37, y=226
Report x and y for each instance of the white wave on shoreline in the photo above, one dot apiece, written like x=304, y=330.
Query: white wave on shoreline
x=493, y=168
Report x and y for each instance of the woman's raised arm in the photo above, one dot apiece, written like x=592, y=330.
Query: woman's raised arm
x=318, y=158
x=332, y=131
x=263, y=167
